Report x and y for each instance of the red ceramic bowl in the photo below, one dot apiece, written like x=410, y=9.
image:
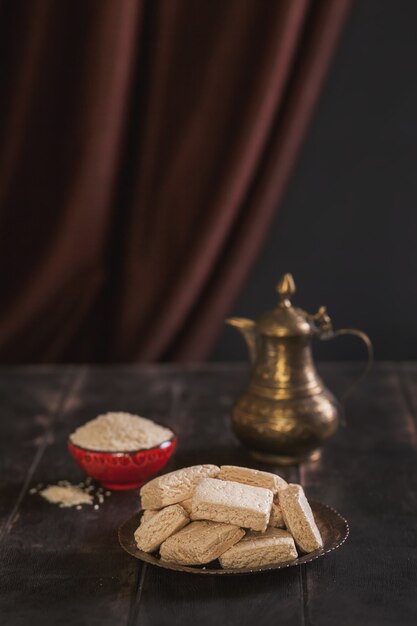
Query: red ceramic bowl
x=123, y=470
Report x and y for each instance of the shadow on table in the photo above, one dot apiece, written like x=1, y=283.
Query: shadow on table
x=252, y=599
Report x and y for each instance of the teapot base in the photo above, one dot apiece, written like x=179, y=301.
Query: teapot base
x=278, y=459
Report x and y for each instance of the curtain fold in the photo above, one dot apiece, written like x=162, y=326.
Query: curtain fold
x=145, y=147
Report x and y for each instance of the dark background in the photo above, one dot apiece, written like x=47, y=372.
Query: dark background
x=347, y=228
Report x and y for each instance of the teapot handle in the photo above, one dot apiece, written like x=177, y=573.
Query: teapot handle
x=332, y=334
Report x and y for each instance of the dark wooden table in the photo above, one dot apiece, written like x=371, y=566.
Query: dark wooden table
x=63, y=566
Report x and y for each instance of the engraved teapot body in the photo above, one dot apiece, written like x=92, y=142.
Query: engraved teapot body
x=286, y=413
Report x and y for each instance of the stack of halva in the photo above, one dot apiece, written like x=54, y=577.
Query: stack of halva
x=243, y=517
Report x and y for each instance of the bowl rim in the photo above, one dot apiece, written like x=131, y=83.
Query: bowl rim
x=172, y=439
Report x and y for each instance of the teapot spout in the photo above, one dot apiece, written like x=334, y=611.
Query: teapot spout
x=250, y=334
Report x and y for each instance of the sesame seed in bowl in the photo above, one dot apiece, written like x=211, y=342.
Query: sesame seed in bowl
x=121, y=450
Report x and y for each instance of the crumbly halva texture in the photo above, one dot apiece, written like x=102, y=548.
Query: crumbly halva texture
x=299, y=518
x=147, y=515
x=232, y=503
x=253, y=477
x=174, y=487
x=160, y=526
x=276, y=519
x=220, y=511
x=200, y=542
x=187, y=505
x=118, y=432
x=257, y=549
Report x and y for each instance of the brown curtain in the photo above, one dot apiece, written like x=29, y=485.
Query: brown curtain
x=145, y=145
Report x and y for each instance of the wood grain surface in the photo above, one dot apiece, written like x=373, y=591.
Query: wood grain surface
x=64, y=566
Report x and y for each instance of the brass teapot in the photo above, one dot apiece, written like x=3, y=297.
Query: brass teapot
x=286, y=413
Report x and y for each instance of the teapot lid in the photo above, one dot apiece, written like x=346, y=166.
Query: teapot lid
x=286, y=320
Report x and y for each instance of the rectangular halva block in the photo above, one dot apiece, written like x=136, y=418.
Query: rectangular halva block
x=232, y=503
x=175, y=486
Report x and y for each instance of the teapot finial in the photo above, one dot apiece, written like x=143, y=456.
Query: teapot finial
x=286, y=289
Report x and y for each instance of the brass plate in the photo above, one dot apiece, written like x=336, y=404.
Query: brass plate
x=333, y=527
